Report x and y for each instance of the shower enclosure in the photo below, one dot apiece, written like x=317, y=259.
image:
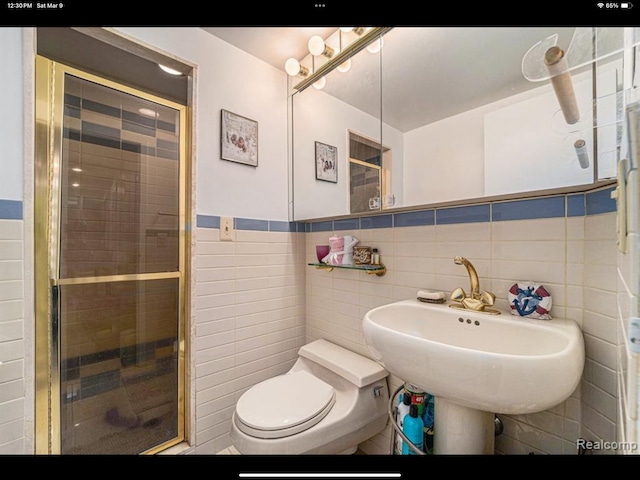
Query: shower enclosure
x=110, y=265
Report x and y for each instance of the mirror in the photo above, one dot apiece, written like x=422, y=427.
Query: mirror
x=349, y=105
x=452, y=118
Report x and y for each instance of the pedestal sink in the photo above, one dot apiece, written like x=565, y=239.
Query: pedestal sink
x=475, y=365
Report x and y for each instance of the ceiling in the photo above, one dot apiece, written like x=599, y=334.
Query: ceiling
x=273, y=45
x=438, y=72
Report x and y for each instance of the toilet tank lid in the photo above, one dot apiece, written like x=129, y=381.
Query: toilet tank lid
x=359, y=370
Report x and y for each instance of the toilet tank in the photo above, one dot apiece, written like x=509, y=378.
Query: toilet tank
x=359, y=370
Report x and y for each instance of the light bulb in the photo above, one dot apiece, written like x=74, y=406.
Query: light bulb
x=375, y=46
x=319, y=85
x=344, y=67
x=293, y=68
x=316, y=45
x=357, y=30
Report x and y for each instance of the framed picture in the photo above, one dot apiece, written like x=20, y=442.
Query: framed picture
x=239, y=139
x=326, y=162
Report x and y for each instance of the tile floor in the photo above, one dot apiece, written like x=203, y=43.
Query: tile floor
x=229, y=451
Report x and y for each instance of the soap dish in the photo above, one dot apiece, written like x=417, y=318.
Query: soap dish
x=432, y=300
x=430, y=296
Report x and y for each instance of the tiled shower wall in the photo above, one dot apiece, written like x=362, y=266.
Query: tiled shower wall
x=567, y=243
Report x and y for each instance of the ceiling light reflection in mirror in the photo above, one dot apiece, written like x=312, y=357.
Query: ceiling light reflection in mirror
x=334, y=52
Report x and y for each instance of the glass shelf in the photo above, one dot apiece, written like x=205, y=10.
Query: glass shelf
x=588, y=45
x=378, y=270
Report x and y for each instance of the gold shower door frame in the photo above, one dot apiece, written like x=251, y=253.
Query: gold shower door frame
x=49, y=111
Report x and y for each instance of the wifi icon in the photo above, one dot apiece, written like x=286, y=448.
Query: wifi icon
x=600, y=5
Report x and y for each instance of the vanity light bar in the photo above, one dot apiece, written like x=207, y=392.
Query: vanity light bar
x=339, y=58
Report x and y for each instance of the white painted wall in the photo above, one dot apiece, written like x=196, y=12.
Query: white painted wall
x=231, y=79
x=11, y=81
x=444, y=161
x=517, y=144
x=529, y=146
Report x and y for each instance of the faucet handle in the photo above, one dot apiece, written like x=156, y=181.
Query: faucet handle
x=488, y=298
x=458, y=295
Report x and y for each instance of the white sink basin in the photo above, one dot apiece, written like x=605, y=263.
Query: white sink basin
x=475, y=363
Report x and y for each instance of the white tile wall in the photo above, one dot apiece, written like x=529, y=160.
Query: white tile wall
x=573, y=257
x=252, y=296
x=628, y=305
x=599, y=385
x=12, y=375
x=249, y=321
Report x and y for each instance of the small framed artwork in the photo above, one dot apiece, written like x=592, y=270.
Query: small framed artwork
x=238, y=139
x=326, y=162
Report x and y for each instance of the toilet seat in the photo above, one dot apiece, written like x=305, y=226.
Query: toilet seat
x=284, y=405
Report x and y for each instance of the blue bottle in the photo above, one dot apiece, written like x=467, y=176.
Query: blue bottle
x=413, y=428
x=403, y=411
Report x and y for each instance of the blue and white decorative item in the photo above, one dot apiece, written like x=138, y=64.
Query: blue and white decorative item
x=529, y=299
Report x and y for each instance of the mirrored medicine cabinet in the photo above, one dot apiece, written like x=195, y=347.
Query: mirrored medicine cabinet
x=453, y=114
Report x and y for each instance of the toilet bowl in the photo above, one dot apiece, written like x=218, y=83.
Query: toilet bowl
x=331, y=400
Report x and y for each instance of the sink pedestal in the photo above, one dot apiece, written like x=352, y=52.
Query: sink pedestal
x=462, y=431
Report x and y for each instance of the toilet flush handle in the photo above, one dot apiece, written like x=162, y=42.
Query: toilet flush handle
x=377, y=391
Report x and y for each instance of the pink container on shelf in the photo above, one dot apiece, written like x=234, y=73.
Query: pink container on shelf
x=337, y=247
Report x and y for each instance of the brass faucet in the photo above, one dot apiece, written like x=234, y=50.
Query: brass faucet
x=475, y=300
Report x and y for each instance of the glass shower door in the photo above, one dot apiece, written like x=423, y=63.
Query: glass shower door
x=116, y=268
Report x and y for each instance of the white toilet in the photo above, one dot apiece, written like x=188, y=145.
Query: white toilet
x=331, y=400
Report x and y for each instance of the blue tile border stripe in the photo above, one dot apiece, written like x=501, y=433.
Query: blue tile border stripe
x=576, y=205
x=207, y=221
x=413, y=219
x=280, y=226
x=378, y=221
x=591, y=203
x=213, y=221
x=550, y=207
x=599, y=201
x=251, y=224
x=321, y=226
x=468, y=214
x=569, y=205
x=10, y=210
x=347, y=224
